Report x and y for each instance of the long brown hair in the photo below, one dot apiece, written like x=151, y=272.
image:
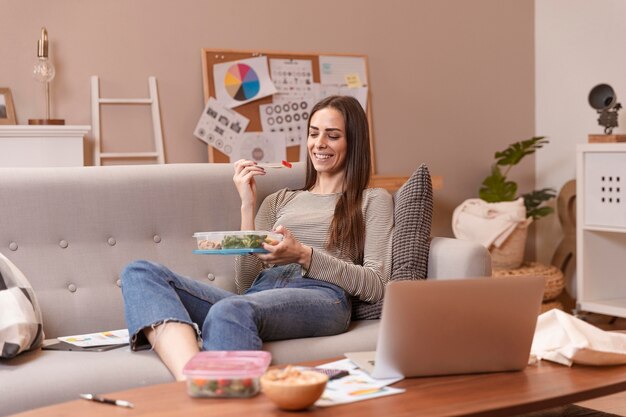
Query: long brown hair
x=347, y=229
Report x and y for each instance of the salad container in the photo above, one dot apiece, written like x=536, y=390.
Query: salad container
x=246, y=241
x=226, y=374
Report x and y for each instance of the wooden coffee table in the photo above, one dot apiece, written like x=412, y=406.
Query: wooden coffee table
x=538, y=387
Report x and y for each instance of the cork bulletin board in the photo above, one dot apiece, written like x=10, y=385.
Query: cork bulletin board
x=250, y=110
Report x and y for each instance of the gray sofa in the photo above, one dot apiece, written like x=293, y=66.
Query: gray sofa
x=72, y=230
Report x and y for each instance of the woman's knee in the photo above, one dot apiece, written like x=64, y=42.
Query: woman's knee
x=235, y=309
x=230, y=313
x=231, y=325
x=138, y=271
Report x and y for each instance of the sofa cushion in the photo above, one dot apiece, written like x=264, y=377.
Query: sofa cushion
x=21, y=326
x=413, y=214
x=361, y=336
x=57, y=376
x=62, y=375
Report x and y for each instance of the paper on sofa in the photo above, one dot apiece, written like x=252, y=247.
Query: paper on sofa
x=111, y=337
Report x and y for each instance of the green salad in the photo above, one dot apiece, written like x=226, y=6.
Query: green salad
x=243, y=241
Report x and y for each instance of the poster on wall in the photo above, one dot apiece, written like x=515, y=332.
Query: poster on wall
x=293, y=78
x=321, y=91
x=342, y=70
x=239, y=82
x=219, y=126
x=260, y=147
x=290, y=118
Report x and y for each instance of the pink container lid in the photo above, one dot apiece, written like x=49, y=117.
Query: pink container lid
x=228, y=364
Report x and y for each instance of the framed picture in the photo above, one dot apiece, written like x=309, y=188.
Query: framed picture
x=7, y=111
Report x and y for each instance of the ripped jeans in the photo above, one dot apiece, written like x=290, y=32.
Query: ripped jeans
x=281, y=304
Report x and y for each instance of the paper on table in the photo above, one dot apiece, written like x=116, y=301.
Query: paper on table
x=562, y=338
x=358, y=386
x=112, y=337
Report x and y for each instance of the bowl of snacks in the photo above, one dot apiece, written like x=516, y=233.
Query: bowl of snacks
x=235, y=242
x=226, y=374
x=293, y=389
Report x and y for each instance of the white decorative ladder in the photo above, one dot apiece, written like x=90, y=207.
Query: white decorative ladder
x=153, y=101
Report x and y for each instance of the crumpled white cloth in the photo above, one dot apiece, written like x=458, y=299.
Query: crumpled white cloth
x=562, y=338
x=488, y=223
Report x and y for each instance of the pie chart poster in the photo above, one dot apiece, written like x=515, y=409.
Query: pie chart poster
x=239, y=82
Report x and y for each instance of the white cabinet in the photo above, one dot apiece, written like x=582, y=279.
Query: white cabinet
x=601, y=228
x=42, y=146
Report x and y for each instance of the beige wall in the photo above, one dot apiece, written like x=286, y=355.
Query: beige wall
x=452, y=80
x=579, y=45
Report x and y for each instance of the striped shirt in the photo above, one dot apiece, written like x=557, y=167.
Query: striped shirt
x=308, y=217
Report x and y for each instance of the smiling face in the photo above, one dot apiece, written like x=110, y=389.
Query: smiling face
x=327, y=143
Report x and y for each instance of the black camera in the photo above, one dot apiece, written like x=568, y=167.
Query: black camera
x=602, y=98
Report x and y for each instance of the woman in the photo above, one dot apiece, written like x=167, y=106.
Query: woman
x=336, y=246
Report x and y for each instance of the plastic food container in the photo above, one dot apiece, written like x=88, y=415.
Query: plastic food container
x=245, y=241
x=226, y=374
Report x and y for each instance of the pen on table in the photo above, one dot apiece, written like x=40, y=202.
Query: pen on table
x=119, y=403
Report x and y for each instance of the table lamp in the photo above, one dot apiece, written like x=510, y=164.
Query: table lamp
x=44, y=72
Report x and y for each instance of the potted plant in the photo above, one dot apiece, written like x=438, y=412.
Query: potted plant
x=498, y=188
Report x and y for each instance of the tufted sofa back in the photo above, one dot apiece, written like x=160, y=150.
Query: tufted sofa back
x=72, y=230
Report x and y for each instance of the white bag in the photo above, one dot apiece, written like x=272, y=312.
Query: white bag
x=562, y=338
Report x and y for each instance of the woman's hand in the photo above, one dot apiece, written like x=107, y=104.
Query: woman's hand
x=245, y=171
x=288, y=251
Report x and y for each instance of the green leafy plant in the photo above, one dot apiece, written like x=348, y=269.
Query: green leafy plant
x=496, y=187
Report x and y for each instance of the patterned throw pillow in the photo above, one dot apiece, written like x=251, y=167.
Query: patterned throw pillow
x=413, y=215
x=21, y=326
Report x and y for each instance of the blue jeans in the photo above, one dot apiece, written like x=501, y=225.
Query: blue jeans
x=281, y=304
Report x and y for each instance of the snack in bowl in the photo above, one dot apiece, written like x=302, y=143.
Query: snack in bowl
x=293, y=389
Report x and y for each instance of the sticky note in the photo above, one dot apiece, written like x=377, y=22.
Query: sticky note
x=353, y=80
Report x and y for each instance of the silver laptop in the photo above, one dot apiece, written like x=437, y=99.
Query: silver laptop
x=446, y=327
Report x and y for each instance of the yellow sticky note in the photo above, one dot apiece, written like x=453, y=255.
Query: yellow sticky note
x=353, y=80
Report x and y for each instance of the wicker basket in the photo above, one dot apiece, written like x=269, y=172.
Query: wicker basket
x=554, y=281
x=510, y=254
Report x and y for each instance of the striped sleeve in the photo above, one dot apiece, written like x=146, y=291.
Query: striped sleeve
x=366, y=282
x=247, y=267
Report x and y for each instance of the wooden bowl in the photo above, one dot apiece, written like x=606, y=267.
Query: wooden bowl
x=297, y=391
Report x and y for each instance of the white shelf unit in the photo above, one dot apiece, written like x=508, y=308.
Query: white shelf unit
x=601, y=228
x=42, y=145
